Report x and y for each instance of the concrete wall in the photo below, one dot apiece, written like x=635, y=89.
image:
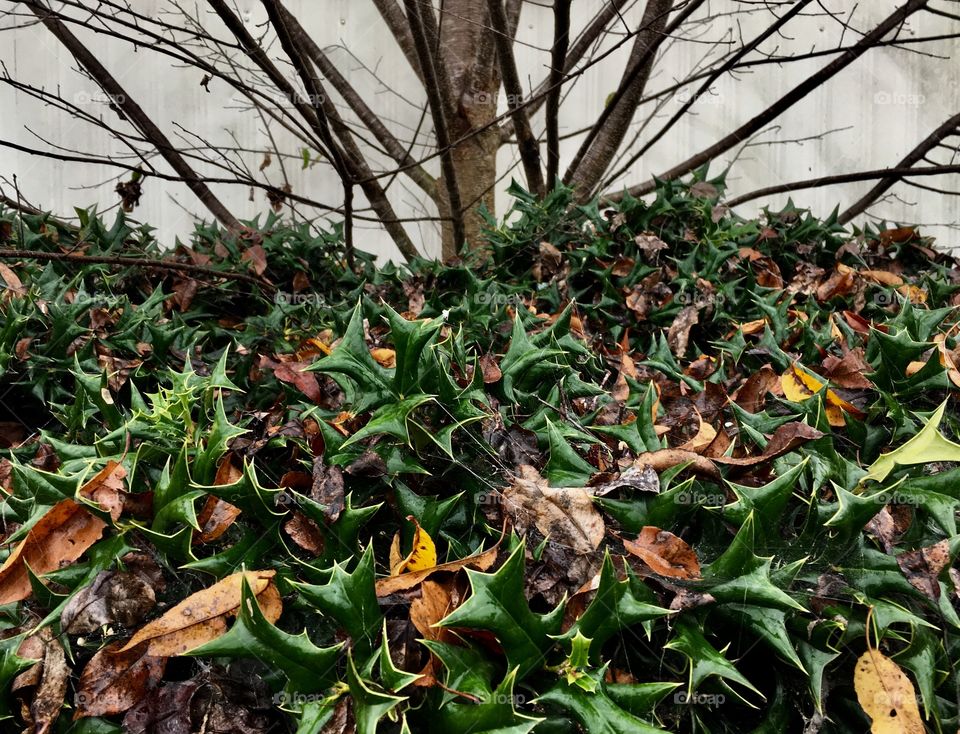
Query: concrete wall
x=875, y=111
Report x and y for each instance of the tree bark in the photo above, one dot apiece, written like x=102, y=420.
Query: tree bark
x=467, y=51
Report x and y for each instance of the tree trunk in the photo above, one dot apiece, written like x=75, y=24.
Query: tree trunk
x=468, y=55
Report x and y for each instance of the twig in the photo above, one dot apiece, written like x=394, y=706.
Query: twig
x=135, y=262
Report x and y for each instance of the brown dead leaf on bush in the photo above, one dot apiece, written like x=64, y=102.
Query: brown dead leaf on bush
x=664, y=553
x=566, y=515
x=48, y=679
x=848, y=371
x=664, y=459
x=327, y=489
x=785, y=439
x=924, y=565
x=293, y=373
x=62, y=535
x=753, y=392
x=201, y=617
x=218, y=515
x=678, y=335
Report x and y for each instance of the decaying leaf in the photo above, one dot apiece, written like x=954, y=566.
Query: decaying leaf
x=114, y=680
x=924, y=565
x=201, y=616
x=664, y=553
x=785, y=439
x=886, y=695
x=48, y=679
x=327, y=489
x=566, y=515
x=114, y=597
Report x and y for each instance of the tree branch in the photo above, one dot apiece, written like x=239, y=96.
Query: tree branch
x=136, y=115
x=135, y=262
x=526, y=140
x=367, y=116
x=841, y=178
x=438, y=97
x=787, y=101
x=950, y=127
x=606, y=135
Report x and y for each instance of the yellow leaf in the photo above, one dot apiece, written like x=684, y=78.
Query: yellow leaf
x=384, y=357
x=799, y=385
x=886, y=695
x=916, y=295
x=423, y=555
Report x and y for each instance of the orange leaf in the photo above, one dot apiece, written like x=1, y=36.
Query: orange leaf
x=200, y=617
x=664, y=553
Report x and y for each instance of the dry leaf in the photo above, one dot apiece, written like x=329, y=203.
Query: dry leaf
x=786, y=438
x=384, y=357
x=924, y=565
x=799, y=385
x=752, y=394
x=200, y=617
x=113, y=681
x=394, y=584
x=58, y=538
x=49, y=676
x=664, y=553
x=705, y=436
x=423, y=555
x=566, y=515
x=886, y=695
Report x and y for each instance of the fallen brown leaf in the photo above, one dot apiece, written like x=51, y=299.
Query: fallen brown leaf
x=924, y=565
x=566, y=515
x=201, y=616
x=113, y=681
x=664, y=553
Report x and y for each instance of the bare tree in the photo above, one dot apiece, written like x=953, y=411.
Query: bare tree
x=463, y=54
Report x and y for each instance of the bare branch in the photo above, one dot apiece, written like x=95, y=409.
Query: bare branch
x=438, y=96
x=526, y=141
x=840, y=178
x=135, y=114
x=948, y=128
x=892, y=21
